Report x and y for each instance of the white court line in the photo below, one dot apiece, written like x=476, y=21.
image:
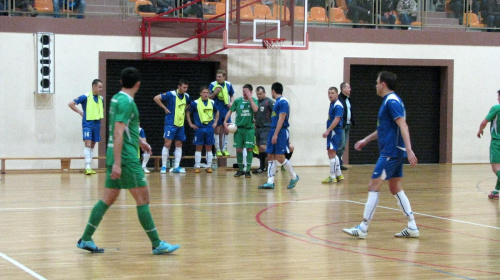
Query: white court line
x=14, y=262
x=431, y=216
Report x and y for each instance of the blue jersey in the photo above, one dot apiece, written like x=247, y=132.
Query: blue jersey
x=142, y=134
x=390, y=141
x=170, y=99
x=230, y=91
x=280, y=106
x=82, y=99
x=336, y=110
x=193, y=109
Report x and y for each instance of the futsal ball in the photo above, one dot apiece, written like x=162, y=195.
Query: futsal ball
x=232, y=128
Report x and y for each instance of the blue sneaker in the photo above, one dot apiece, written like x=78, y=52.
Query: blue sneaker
x=165, y=248
x=89, y=246
x=267, y=186
x=178, y=169
x=293, y=182
x=163, y=170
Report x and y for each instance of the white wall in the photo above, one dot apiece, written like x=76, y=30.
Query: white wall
x=44, y=126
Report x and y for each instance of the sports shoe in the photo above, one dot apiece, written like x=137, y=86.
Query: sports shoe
x=225, y=153
x=218, y=153
x=178, y=169
x=146, y=171
x=209, y=170
x=408, y=232
x=196, y=170
x=165, y=248
x=493, y=195
x=340, y=178
x=248, y=175
x=355, y=231
x=329, y=180
x=266, y=186
x=257, y=171
x=343, y=167
x=293, y=182
x=239, y=173
x=89, y=171
x=163, y=170
x=89, y=246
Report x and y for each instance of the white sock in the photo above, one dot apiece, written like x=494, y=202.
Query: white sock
x=271, y=171
x=197, y=159
x=145, y=159
x=224, y=140
x=88, y=157
x=332, y=167
x=245, y=158
x=370, y=206
x=177, y=156
x=164, y=156
x=217, y=146
x=338, y=171
x=209, y=158
x=404, y=204
x=289, y=168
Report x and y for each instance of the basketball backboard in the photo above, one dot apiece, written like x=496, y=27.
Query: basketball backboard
x=250, y=21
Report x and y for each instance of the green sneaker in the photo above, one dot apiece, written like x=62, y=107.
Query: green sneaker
x=340, y=178
x=218, y=153
x=225, y=153
x=293, y=183
x=329, y=180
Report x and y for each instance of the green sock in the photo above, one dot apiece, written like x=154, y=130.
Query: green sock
x=148, y=224
x=95, y=218
x=249, y=160
x=497, y=187
x=239, y=160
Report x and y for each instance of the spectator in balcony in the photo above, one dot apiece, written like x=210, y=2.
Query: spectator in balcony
x=458, y=8
x=194, y=9
x=26, y=6
x=163, y=6
x=360, y=10
x=4, y=6
x=387, y=16
x=493, y=19
x=407, y=12
x=72, y=5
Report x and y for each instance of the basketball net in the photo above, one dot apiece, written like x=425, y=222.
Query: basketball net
x=273, y=45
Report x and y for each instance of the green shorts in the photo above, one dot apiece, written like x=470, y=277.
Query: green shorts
x=244, y=138
x=495, y=151
x=132, y=176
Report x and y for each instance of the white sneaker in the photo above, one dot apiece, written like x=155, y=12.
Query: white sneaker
x=408, y=232
x=146, y=171
x=355, y=231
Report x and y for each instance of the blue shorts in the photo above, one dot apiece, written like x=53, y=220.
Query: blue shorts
x=204, y=136
x=388, y=168
x=173, y=132
x=222, y=115
x=92, y=133
x=281, y=146
x=333, y=140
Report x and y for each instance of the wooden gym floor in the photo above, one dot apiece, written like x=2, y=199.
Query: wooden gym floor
x=228, y=229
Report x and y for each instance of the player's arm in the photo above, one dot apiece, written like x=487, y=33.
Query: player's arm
x=279, y=125
x=483, y=124
x=231, y=100
x=143, y=143
x=214, y=93
x=228, y=115
x=361, y=143
x=117, y=150
x=331, y=127
x=74, y=107
x=215, y=119
x=405, y=133
x=188, y=118
x=157, y=99
x=255, y=107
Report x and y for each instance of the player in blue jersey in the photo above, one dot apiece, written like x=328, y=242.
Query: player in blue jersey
x=145, y=154
x=278, y=139
x=177, y=102
x=205, y=117
x=92, y=112
x=333, y=135
x=394, y=144
x=222, y=92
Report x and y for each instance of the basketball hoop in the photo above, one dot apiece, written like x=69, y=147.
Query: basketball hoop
x=273, y=45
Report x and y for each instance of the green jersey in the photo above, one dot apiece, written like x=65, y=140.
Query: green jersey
x=493, y=117
x=123, y=109
x=244, y=112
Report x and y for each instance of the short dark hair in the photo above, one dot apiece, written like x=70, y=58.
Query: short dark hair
x=130, y=76
x=202, y=88
x=96, y=81
x=334, y=88
x=260, y=88
x=342, y=85
x=220, y=71
x=389, y=78
x=182, y=82
x=248, y=86
x=277, y=87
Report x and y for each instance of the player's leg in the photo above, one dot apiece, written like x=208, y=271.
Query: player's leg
x=180, y=137
x=209, y=142
x=495, y=167
x=198, y=142
x=217, y=136
x=248, y=145
x=145, y=159
x=87, y=150
x=95, y=137
x=333, y=164
x=168, y=137
x=271, y=168
x=282, y=148
x=238, y=144
x=337, y=139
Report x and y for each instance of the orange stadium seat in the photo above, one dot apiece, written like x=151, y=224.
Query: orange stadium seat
x=220, y=8
x=284, y=14
x=143, y=2
x=262, y=12
x=318, y=14
x=44, y=6
x=472, y=20
x=338, y=16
